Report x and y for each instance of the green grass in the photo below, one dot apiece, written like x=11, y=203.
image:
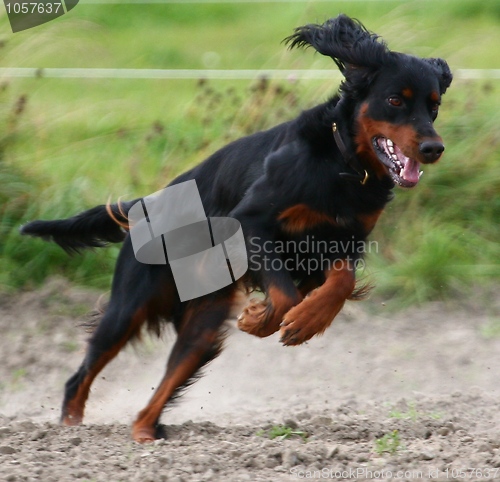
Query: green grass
x=72, y=143
x=246, y=35
x=412, y=413
x=390, y=443
x=282, y=432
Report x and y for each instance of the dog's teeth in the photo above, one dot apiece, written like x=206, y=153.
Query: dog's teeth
x=420, y=174
x=390, y=143
x=395, y=157
x=391, y=149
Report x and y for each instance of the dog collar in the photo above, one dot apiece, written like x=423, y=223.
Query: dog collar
x=361, y=174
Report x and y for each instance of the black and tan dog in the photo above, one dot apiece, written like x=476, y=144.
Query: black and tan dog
x=326, y=175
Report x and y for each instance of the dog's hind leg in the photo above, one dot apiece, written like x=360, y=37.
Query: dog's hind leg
x=113, y=332
x=200, y=337
x=131, y=304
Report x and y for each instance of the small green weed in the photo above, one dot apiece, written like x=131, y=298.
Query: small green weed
x=282, y=432
x=412, y=414
x=390, y=443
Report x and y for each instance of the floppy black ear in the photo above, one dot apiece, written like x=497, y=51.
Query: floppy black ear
x=443, y=72
x=345, y=40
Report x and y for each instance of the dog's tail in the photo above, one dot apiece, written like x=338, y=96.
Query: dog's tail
x=94, y=228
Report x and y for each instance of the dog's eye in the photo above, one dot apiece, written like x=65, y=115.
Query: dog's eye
x=395, y=101
x=434, y=110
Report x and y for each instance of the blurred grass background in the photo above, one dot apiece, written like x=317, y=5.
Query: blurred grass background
x=69, y=144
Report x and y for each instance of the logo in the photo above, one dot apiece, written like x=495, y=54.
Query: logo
x=170, y=227
x=28, y=14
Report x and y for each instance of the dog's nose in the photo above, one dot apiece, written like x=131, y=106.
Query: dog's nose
x=431, y=150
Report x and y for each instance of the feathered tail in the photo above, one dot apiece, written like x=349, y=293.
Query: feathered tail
x=94, y=228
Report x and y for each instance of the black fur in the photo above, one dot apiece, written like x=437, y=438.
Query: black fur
x=90, y=229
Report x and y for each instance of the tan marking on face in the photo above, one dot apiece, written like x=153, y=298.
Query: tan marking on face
x=408, y=93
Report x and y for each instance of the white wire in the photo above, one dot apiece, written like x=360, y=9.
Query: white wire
x=89, y=73
x=186, y=74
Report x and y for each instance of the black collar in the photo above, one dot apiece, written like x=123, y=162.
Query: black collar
x=351, y=160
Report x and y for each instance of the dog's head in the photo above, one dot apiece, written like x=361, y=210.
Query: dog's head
x=395, y=97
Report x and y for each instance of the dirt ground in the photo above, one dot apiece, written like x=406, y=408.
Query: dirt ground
x=383, y=395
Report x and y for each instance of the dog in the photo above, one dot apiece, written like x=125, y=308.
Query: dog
x=324, y=176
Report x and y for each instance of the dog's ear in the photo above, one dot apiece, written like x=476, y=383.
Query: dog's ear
x=443, y=72
x=345, y=40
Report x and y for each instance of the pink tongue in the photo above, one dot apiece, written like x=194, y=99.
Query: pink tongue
x=410, y=171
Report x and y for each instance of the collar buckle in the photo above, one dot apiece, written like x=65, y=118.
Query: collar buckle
x=361, y=174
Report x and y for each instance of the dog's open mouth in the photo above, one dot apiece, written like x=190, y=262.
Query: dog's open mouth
x=403, y=170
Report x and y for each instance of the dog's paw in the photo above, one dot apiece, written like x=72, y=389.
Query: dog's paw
x=71, y=420
x=144, y=435
x=299, y=325
x=254, y=319
x=71, y=416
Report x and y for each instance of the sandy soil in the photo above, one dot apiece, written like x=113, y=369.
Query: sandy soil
x=431, y=374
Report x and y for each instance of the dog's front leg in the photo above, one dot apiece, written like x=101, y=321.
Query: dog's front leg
x=258, y=213
x=316, y=312
x=262, y=317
